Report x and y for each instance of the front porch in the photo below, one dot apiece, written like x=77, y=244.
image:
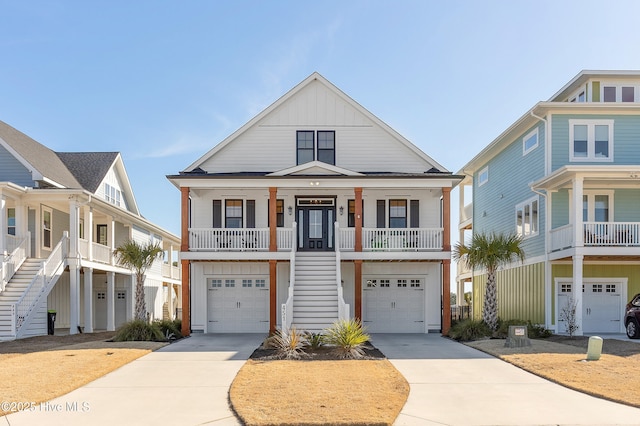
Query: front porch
x=596, y=234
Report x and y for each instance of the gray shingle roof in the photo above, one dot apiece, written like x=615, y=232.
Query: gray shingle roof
x=44, y=160
x=89, y=168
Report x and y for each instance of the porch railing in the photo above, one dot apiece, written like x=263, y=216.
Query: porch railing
x=401, y=239
x=234, y=239
x=101, y=253
x=170, y=271
x=287, y=308
x=22, y=311
x=343, y=308
x=19, y=248
x=561, y=238
x=626, y=234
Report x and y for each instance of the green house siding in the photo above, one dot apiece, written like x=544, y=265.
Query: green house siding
x=625, y=206
x=609, y=270
x=510, y=172
x=626, y=133
x=560, y=207
x=520, y=293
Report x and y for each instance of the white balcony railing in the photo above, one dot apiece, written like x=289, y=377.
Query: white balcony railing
x=561, y=238
x=237, y=239
x=625, y=234
x=401, y=239
x=170, y=271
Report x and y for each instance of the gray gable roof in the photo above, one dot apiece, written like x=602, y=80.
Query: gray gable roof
x=41, y=158
x=89, y=168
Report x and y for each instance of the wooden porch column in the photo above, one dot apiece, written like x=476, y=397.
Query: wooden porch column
x=446, y=219
x=273, y=220
x=273, y=285
x=358, y=230
x=358, y=288
x=184, y=219
x=446, y=296
x=186, y=312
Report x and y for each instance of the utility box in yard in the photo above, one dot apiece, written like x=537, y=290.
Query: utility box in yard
x=518, y=337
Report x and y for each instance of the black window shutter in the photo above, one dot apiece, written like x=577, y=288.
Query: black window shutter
x=217, y=213
x=380, y=213
x=415, y=214
x=251, y=213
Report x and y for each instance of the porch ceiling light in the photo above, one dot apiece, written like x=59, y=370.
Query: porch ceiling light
x=314, y=183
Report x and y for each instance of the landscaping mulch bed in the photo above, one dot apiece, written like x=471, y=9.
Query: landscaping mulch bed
x=323, y=353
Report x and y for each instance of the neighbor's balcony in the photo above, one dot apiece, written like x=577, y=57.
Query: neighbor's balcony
x=598, y=234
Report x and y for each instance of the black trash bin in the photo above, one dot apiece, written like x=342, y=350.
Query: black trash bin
x=51, y=322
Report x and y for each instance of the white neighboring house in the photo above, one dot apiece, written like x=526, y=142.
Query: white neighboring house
x=313, y=211
x=61, y=216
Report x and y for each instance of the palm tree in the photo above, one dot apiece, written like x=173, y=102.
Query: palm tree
x=138, y=258
x=490, y=252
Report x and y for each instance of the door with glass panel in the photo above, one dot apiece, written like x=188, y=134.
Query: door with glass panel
x=316, y=219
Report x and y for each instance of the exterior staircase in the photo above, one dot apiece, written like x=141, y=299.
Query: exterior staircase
x=14, y=290
x=315, y=293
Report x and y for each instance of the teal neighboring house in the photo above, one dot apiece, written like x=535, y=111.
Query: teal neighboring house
x=566, y=177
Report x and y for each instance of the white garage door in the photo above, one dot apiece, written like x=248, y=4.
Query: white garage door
x=393, y=305
x=601, y=311
x=602, y=305
x=237, y=305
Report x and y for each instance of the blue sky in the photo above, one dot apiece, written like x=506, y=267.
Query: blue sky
x=163, y=82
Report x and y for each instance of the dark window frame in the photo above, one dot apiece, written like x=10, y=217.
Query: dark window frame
x=332, y=150
x=351, y=213
x=305, y=149
x=226, y=213
x=391, y=218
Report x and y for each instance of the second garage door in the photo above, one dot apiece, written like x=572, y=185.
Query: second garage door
x=237, y=305
x=393, y=305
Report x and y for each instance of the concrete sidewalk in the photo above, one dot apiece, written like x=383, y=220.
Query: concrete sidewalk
x=187, y=383
x=453, y=384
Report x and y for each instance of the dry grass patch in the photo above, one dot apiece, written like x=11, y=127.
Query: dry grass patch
x=350, y=392
x=611, y=377
x=42, y=368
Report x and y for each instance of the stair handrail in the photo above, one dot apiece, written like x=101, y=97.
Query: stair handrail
x=11, y=262
x=287, y=308
x=343, y=308
x=50, y=268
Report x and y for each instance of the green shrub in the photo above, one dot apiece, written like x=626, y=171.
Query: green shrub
x=469, y=329
x=288, y=344
x=537, y=331
x=313, y=340
x=348, y=336
x=139, y=330
x=169, y=329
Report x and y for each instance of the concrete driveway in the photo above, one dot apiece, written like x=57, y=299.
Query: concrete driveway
x=187, y=383
x=453, y=384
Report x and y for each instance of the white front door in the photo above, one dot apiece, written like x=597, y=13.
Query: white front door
x=393, y=305
x=237, y=305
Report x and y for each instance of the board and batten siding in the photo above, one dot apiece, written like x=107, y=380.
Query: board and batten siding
x=11, y=170
x=602, y=270
x=626, y=133
x=360, y=144
x=114, y=181
x=510, y=173
x=520, y=293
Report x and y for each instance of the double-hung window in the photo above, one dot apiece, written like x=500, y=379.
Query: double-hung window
x=47, y=215
x=233, y=213
x=316, y=145
x=397, y=213
x=527, y=218
x=11, y=221
x=351, y=213
x=591, y=140
x=597, y=206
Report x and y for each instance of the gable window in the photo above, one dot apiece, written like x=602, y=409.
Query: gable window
x=112, y=194
x=591, y=140
x=305, y=146
x=530, y=142
x=306, y=149
x=11, y=221
x=327, y=146
x=233, y=213
x=527, y=218
x=46, y=227
x=483, y=176
x=618, y=93
x=397, y=213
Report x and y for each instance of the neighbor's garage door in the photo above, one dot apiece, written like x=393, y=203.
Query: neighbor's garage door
x=602, y=310
x=237, y=305
x=393, y=305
